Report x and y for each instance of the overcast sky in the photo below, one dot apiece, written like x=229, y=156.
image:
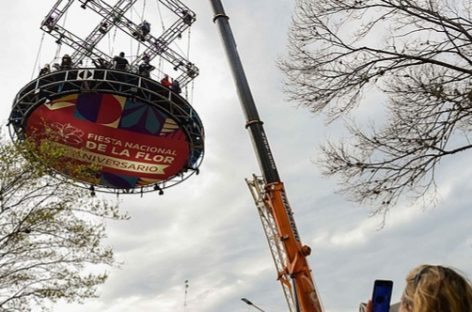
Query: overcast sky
x=207, y=230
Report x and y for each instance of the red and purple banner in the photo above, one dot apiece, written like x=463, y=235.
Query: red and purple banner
x=132, y=143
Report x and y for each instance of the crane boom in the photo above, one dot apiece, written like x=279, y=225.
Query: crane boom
x=289, y=254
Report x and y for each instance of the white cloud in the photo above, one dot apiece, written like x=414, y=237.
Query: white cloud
x=206, y=230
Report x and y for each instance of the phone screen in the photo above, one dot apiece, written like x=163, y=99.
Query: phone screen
x=381, y=296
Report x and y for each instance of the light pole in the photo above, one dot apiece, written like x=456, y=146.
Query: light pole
x=251, y=304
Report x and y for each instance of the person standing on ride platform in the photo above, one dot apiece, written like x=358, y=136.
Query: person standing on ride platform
x=176, y=86
x=143, y=30
x=45, y=70
x=66, y=62
x=145, y=68
x=120, y=62
x=166, y=82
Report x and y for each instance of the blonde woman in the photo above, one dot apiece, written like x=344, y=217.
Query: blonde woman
x=434, y=288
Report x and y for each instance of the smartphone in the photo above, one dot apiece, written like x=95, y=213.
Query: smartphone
x=381, y=296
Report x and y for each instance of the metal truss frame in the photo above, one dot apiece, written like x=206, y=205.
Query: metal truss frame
x=114, y=16
x=257, y=187
x=79, y=80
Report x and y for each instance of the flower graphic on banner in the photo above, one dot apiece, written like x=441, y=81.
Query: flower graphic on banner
x=65, y=133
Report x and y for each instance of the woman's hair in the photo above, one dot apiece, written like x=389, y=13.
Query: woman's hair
x=434, y=288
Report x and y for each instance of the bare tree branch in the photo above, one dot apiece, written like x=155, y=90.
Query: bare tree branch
x=419, y=55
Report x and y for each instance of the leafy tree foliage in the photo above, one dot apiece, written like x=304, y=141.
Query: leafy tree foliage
x=50, y=234
x=418, y=54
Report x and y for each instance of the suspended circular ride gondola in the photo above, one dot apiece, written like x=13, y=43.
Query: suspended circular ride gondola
x=136, y=133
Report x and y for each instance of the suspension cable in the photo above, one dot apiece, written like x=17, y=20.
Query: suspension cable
x=113, y=40
x=144, y=9
x=59, y=44
x=160, y=64
x=188, y=43
x=38, y=55
x=160, y=16
x=58, y=51
x=140, y=16
x=142, y=20
x=189, y=98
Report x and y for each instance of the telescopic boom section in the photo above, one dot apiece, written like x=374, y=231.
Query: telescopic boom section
x=273, y=199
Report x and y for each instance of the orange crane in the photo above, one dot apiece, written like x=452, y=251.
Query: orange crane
x=290, y=255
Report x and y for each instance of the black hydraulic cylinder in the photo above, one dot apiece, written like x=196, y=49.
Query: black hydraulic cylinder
x=253, y=123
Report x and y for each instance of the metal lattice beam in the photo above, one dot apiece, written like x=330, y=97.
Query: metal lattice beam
x=114, y=16
x=154, y=46
x=257, y=188
x=63, y=36
x=100, y=31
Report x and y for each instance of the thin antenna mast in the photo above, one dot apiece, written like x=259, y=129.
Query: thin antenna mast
x=185, y=295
